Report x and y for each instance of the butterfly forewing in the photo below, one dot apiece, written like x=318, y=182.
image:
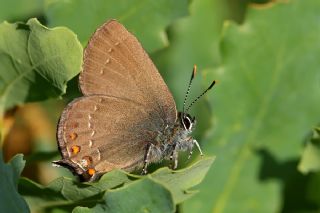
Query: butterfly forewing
x=116, y=64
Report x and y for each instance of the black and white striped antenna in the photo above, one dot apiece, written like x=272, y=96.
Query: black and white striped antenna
x=194, y=71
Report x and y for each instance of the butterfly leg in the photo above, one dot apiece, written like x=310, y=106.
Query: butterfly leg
x=198, y=146
x=190, y=153
x=146, y=159
x=174, y=157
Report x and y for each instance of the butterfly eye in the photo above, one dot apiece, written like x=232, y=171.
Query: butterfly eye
x=187, y=122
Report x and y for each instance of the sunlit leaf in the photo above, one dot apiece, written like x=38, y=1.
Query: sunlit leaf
x=140, y=196
x=36, y=62
x=310, y=160
x=180, y=182
x=116, y=188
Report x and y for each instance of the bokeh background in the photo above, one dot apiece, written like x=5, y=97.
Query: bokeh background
x=261, y=120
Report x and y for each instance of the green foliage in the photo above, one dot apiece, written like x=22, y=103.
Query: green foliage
x=157, y=192
x=141, y=196
x=10, y=199
x=19, y=10
x=146, y=19
x=256, y=119
x=268, y=99
x=36, y=62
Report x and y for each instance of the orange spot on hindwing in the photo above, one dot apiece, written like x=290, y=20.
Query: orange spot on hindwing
x=75, y=149
x=91, y=171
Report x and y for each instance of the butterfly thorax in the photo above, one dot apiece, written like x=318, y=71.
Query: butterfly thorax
x=174, y=138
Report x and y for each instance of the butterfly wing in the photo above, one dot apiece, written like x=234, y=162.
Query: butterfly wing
x=105, y=133
x=115, y=64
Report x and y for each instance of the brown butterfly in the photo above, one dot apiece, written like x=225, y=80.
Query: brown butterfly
x=127, y=117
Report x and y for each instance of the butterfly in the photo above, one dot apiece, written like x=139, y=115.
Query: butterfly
x=127, y=117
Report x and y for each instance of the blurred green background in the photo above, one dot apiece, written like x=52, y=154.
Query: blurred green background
x=261, y=120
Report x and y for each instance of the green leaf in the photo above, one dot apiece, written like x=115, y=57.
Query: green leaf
x=36, y=62
x=64, y=193
x=310, y=160
x=140, y=196
x=179, y=182
x=10, y=200
x=146, y=19
x=267, y=99
x=164, y=188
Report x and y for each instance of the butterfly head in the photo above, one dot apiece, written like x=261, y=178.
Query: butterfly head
x=187, y=121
